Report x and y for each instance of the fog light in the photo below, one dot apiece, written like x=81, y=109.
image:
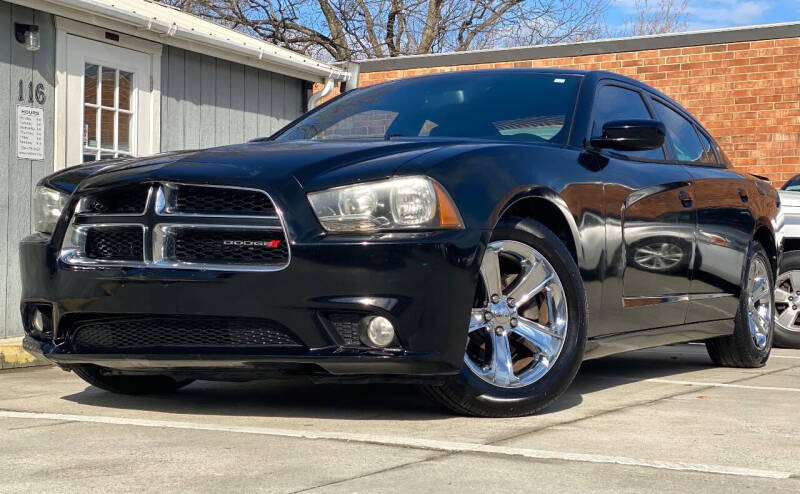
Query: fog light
x=37, y=320
x=377, y=332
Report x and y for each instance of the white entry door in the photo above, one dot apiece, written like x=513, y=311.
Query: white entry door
x=108, y=102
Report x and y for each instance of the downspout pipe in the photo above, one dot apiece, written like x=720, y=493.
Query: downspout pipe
x=326, y=90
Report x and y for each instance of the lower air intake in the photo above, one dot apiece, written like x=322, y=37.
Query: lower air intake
x=346, y=325
x=165, y=333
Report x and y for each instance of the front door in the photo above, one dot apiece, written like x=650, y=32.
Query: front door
x=109, y=107
x=650, y=226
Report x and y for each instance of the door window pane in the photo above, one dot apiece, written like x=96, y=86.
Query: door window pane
x=90, y=126
x=684, y=144
x=125, y=83
x=106, y=129
x=116, y=134
x=108, y=86
x=124, y=132
x=618, y=103
x=90, y=83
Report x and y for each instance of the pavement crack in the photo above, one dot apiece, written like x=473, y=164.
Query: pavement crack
x=39, y=426
x=375, y=472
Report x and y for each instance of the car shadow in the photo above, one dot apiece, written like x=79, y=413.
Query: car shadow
x=300, y=398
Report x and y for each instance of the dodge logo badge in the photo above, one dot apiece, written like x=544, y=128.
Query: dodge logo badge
x=269, y=244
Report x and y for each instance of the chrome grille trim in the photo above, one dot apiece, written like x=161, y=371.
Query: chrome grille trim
x=161, y=257
x=83, y=209
x=73, y=249
x=164, y=202
x=155, y=233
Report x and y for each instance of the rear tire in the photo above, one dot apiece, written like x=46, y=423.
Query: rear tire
x=751, y=341
x=787, y=286
x=543, y=333
x=129, y=385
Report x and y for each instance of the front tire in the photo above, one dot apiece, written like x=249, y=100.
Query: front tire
x=129, y=385
x=751, y=341
x=787, y=299
x=527, y=329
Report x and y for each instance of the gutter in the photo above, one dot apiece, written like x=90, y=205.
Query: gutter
x=124, y=11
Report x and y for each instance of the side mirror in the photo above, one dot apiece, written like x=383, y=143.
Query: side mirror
x=631, y=135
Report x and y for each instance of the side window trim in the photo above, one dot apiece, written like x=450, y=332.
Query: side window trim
x=622, y=84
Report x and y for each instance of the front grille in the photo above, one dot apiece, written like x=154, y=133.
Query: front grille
x=346, y=324
x=191, y=199
x=118, y=243
x=165, y=333
x=180, y=227
x=228, y=246
x=119, y=200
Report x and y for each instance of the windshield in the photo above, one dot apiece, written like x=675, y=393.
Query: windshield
x=793, y=184
x=507, y=106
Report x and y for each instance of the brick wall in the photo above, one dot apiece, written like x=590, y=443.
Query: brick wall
x=747, y=94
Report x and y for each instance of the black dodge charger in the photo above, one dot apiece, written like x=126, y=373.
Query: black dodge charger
x=477, y=233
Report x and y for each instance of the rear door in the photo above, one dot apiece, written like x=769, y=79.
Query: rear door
x=724, y=220
x=650, y=226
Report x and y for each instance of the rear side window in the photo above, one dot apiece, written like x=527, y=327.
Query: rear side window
x=618, y=103
x=708, y=150
x=684, y=145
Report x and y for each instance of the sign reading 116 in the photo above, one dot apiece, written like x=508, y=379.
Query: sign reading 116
x=37, y=92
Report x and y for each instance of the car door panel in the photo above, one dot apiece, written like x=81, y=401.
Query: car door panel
x=649, y=225
x=650, y=240
x=724, y=223
x=724, y=228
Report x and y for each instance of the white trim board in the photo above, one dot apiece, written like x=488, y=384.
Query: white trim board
x=65, y=27
x=190, y=33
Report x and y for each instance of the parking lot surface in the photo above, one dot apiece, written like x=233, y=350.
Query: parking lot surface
x=652, y=420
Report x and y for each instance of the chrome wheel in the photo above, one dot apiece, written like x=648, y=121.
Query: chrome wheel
x=658, y=256
x=759, y=302
x=787, y=296
x=519, y=320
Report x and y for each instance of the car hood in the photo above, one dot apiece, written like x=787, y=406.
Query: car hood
x=312, y=164
x=790, y=199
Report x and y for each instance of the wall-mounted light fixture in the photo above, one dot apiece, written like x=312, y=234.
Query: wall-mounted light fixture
x=28, y=35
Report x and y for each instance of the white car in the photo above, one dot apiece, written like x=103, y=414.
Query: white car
x=787, y=286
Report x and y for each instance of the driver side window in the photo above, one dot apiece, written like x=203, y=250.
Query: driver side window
x=618, y=103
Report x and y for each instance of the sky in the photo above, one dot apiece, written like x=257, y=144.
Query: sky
x=714, y=14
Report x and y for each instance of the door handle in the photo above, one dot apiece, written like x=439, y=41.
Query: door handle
x=743, y=195
x=686, y=199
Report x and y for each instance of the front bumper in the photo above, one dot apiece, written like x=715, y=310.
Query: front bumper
x=423, y=282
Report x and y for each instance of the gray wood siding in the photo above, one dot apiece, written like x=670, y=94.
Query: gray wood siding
x=18, y=177
x=208, y=102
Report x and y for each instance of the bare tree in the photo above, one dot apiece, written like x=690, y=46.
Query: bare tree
x=356, y=29
x=656, y=17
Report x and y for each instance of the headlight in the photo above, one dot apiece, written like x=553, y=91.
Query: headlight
x=47, y=206
x=395, y=204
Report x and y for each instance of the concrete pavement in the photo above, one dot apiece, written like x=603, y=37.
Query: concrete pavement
x=650, y=420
